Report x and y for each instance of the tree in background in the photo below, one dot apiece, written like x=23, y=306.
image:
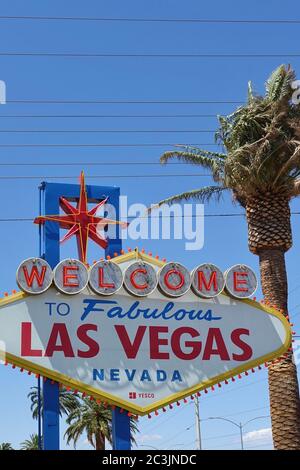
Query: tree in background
x=31, y=444
x=68, y=401
x=260, y=166
x=95, y=420
x=6, y=446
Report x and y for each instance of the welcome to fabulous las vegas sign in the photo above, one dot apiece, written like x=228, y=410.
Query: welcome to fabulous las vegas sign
x=135, y=331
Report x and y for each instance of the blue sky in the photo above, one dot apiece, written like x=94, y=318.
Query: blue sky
x=208, y=79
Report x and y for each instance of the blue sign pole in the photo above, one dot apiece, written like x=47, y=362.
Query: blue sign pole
x=121, y=430
x=51, y=194
x=51, y=390
x=39, y=390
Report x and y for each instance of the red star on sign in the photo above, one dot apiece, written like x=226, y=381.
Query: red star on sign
x=81, y=222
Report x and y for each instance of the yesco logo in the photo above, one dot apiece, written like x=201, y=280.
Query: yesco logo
x=139, y=278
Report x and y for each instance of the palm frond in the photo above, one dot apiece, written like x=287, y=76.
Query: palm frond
x=95, y=421
x=68, y=401
x=278, y=84
x=199, y=151
x=250, y=92
x=30, y=444
x=215, y=164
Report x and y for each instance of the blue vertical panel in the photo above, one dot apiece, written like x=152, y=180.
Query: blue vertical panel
x=50, y=416
x=121, y=430
x=51, y=255
x=115, y=244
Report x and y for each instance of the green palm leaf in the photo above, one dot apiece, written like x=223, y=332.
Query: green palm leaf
x=278, y=84
x=68, y=401
x=94, y=420
x=31, y=444
x=205, y=159
x=203, y=195
x=6, y=446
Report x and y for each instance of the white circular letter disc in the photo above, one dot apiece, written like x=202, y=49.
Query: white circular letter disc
x=34, y=276
x=106, y=277
x=241, y=281
x=140, y=278
x=207, y=280
x=174, y=279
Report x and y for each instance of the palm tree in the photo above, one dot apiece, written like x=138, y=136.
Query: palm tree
x=96, y=421
x=68, y=401
x=6, y=446
x=260, y=166
x=31, y=444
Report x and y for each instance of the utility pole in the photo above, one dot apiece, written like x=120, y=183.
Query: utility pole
x=241, y=436
x=198, y=430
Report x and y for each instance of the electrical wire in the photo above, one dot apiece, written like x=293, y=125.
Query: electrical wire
x=119, y=116
x=109, y=55
x=31, y=177
x=102, y=101
x=171, y=216
x=104, y=145
x=127, y=163
x=108, y=131
x=204, y=439
x=174, y=413
x=151, y=20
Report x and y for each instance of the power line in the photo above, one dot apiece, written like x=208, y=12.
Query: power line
x=119, y=116
x=100, y=55
x=221, y=436
x=170, y=175
x=90, y=164
x=174, y=413
x=260, y=445
x=171, y=216
x=152, y=20
x=101, y=101
x=209, y=438
x=33, y=177
x=206, y=439
x=232, y=414
x=103, y=145
x=248, y=448
x=245, y=411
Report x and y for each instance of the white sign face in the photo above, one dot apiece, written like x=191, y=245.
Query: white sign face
x=139, y=353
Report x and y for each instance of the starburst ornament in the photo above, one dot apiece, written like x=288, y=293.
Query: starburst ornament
x=81, y=222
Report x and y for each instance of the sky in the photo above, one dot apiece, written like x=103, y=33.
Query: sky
x=207, y=79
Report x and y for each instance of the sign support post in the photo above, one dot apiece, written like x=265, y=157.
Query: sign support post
x=51, y=390
x=120, y=430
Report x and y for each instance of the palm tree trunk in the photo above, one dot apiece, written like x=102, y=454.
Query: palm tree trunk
x=283, y=383
x=100, y=442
